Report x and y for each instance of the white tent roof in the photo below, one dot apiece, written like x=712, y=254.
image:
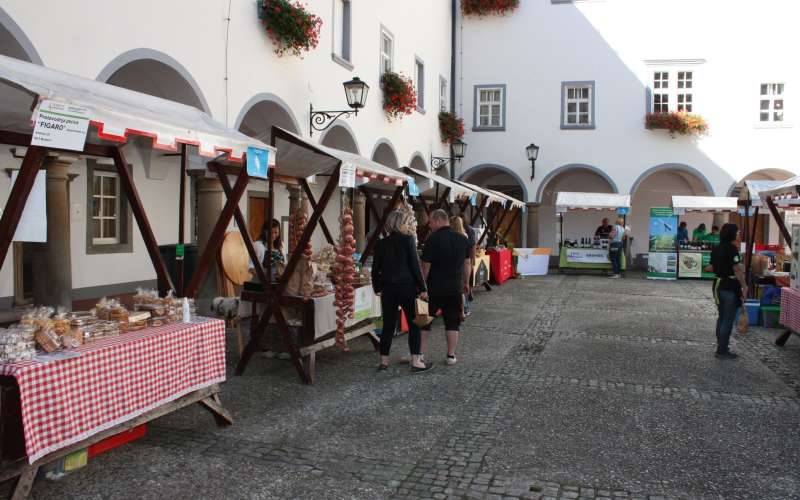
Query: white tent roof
x=456, y=189
x=301, y=157
x=514, y=202
x=755, y=187
x=115, y=112
x=784, y=193
x=704, y=203
x=566, y=201
x=493, y=197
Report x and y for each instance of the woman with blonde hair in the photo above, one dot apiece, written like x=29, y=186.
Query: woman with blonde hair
x=457, y=225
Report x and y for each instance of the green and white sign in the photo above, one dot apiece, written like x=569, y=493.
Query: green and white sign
x=662, y=261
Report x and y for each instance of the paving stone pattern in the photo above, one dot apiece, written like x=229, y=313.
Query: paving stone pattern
x=527, y=413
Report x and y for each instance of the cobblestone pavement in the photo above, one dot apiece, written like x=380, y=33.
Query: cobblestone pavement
x=567, y=387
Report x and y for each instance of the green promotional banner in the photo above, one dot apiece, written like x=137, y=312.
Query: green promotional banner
x=662, y=262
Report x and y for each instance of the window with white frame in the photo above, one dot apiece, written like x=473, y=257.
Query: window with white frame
x=342, y=30
x=771, y=103
x=490, y=107
x=387, y=51
x=577, y=109
x=672, y=91
x=105, y=208
x=442, y=94
x=419, y=83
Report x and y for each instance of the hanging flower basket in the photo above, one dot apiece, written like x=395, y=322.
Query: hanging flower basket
x=451, y=127
x=399, y=97
x=482, y=8
x=290, y=26
x=677, y=122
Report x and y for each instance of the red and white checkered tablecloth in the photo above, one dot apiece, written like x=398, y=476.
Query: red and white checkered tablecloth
x=114, y=380
x=790, y=308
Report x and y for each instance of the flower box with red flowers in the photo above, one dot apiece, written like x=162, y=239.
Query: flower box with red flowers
x=451, y=127
x=289, y=25
x=399, y=97
x=488, y=7
x=677, y=122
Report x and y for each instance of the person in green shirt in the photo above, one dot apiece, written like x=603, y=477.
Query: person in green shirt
x=713, y=236
x=699, y=233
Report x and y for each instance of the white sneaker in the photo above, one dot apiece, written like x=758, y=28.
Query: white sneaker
x=451, y=361
x=614, y=276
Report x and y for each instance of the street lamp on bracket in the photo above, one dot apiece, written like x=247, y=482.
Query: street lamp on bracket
x=458, y=149
x=355, y=91
x=533, y=153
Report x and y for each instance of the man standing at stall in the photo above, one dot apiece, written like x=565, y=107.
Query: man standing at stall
x=603, y=230
x=446, y=268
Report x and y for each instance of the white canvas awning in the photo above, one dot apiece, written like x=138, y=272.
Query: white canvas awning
x=493, y=197
x=566, y=201
x=682, y=204
x=300, y=157
x=514, y=202
x=785, y=193
x=754, y=188
x=457, y=190
x=115, y=113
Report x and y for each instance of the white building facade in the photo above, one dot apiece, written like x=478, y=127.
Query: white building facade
x=578, y=77
x=215, y=55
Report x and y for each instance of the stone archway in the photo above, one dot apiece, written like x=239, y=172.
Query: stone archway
x=578, y=178
x=767, y=231
x=417, y=162
x=341, y=136
x=384, y=153
x=503, y=180
x=655, y=188
x=154, y=73
x=261, y=113
x=14, y=42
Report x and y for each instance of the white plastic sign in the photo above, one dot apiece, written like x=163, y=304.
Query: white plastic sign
x=62, y=126
x=347, y=175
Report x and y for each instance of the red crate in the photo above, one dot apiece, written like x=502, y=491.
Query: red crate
x=117, y=440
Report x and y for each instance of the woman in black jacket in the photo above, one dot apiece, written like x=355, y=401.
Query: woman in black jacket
x=397, y=278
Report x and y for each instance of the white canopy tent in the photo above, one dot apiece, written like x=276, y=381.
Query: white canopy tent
x=752, y=190
x=566, y=201
x=515, y=203
x=492, y=196
x=683, y=204
x=116, y=113
x=785, y=193
x=456, y=189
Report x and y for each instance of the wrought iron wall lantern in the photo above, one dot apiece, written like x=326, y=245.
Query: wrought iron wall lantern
x=533, y=153
x=458, y=149
x=355, y=91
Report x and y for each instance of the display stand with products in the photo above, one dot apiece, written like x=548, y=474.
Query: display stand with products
x=102, y=352
x=694, y=256
x=300, y=158
x=588, y=252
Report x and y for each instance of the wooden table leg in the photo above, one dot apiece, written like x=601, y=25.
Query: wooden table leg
x=221, y=416
x=310, y=364
x=22, y=489
x=781, y=341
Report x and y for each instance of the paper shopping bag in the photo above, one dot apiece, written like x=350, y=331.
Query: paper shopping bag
x=422, y=317
x=741, y=324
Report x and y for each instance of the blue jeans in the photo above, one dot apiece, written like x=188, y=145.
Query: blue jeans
x=614, y=249
x=727, y=306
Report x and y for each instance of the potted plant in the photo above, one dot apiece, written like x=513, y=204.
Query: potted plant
x=679, y=122
x=482, y=8
x=290, y=26
x=399, y=97
x=451, y=127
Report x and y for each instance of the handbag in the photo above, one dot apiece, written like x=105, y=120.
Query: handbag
x=421, y=316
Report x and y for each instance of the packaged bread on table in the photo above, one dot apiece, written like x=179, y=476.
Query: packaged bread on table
x=73, y=338
x=47, y=339
x=17, y=344
x=138, y=320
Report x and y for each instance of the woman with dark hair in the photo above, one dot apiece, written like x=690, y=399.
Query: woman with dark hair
x=273, y=231
x=730, y=288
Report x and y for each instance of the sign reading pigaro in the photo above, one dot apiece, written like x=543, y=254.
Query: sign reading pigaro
x=59, y=125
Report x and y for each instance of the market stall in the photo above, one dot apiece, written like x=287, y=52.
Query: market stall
x=695, y=254
x=68, y=380
x=785, y=196
x=588, y=252
x=337, y=305
x=501, y=257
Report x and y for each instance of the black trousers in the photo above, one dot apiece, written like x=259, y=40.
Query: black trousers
x=392, y=297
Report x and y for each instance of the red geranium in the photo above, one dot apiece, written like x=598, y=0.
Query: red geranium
x=678, y=121
x=451, y=127
x=290, y=26
x=399, y=97
x=488, y=7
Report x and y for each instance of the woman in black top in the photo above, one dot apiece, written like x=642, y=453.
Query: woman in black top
x=730, y=288
x=397, y=278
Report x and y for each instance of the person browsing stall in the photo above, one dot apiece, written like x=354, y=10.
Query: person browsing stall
x=713, y=236
x=615, y=246
x=604, y=229
x=272, y=231
x=729, y=288
x=472, y=240
x=397, y=278
x=445, y=267
x=683, y=234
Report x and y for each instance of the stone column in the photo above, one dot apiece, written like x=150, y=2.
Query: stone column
x=210, y=200
x=53, y=272
x=532, y=225
x=360, y=220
